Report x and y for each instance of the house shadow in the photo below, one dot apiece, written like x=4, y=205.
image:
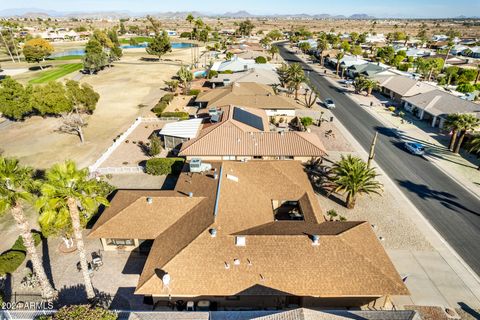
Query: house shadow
x=126, y=299
x=445, y=198
x=135, y=263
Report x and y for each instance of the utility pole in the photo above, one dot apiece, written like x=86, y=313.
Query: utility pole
x=372, y=150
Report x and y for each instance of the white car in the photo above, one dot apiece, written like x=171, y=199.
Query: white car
x=415, y=148
x=329, y=103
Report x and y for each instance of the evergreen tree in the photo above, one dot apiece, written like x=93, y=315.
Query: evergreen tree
x=15, y=100
x=160, y=45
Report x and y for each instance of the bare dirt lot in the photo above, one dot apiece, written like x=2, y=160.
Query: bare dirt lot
x=127, y=90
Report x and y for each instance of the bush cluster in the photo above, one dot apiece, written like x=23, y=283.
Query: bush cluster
x=164, y=166
x=10, y=260
x=84, y=312
x=261, y=60
x=168, y=97
x=194, y=92
x=178, y=114
x=226, y=72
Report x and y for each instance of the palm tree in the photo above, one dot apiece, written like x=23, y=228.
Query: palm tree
x=67, y=188
x=339, y=57
x=322, y=46
x=352, y=176
x=369, y=85
x=273, y=51
x=468, y=122
x=478, y=74
x=475, y=146
x=190, y=18
x=452, y=124
x=295, y=77
x=15, y=188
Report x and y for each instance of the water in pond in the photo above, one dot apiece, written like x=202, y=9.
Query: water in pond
x=81, y=52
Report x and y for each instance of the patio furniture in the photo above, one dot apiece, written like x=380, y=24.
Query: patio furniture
x=190, y=306
x=97, y=260
x=90, y=269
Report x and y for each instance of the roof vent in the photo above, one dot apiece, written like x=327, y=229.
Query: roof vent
x=215, y=175
x=166, y=279
x=190, y=194
x=227, y=265
x=240, y=241
x=236, y=262
x=315, y=240
x=149, y=200
x=213, y=232
x=232, y=177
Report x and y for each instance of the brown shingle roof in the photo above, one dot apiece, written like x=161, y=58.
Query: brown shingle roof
x=279, y=257
x=234, y=138
x=246, y=94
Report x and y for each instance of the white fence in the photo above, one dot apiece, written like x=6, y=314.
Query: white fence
x=116, y=170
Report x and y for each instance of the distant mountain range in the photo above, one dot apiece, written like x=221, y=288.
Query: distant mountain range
x=41, y=13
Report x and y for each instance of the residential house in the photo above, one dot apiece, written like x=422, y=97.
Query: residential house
x=243, y=134
x=399, y=87
x=248, y=235
x=375, y=38
x=436, y=105
x=367, y=69
x=238, y=64
x=251, y=95
x=458, y=49
x=440, y=37
x=262, y=76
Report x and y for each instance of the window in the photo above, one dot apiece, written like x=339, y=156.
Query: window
x=257, y=157
x=120, y=242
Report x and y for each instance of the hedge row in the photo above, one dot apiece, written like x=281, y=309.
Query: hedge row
x=10, y=260
x=164, y=166
x=81, y=312
x=194, y=92
x=180, y=115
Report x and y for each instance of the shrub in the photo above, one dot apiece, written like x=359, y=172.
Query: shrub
x=18, y=245
x=185, y=35
x=180, y=115
x=306, y=121
x=168, y=97
x=211, y=74
x=392, y=109
x=155, y=147
x=84, y=312
x=159, y=107
x=260, y=59
x=164, y=166
x=226, y=72
x=465, y=88
x=193, y=92
x=10, y=261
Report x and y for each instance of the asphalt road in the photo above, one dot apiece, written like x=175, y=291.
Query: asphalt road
x=451, y=209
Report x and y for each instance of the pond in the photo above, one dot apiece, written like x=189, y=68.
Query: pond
x=81, y=52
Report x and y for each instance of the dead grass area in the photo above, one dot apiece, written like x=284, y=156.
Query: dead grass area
x=133, y=150
x=331, y=137
x=123, y=89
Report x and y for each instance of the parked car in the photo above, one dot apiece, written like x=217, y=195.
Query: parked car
x=415, y=148
x=329, y=103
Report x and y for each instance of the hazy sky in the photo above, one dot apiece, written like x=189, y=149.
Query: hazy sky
x=380, y=8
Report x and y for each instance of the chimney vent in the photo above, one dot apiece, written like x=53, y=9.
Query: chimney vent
x=213, y=232
x=240, y=241
x=315, y=240
x=149, y=200
x=190, y=194
x=236, y=262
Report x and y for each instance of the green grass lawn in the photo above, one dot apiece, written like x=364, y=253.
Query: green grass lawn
x=56, y=73
x=138, y=39
x=67, y=58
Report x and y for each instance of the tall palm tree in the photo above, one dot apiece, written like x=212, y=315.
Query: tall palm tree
x=322, y=46
x=339, y=57
x=68, y=188
x=15, y=188
x=478, y=74
x=475, y=146
x=295, y=77
x=468, y=122
x=190, y=18
x=369, y=85
x=352, y=176
x=452, y=124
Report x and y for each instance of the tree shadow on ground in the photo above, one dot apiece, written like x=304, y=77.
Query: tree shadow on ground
x=475, y=314
x=445, y=198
